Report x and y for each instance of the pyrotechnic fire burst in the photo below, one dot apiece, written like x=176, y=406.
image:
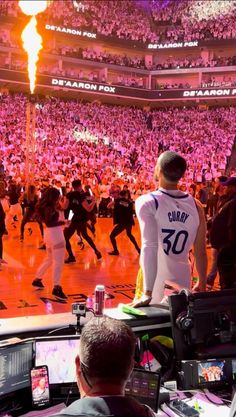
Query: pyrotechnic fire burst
x=32, y=41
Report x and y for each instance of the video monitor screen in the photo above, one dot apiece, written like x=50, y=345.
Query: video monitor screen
x=144, y=386
x=59, y=355
x=15, y=364
x=212, y=371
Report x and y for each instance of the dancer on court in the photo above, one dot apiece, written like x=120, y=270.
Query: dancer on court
x=29, y=199
x=49, y=213
x=123, y=220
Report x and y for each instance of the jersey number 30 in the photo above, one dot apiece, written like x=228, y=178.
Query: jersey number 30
x=175, y=242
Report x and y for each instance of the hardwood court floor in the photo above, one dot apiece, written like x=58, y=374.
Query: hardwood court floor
x=117, y=273
x=18, y=297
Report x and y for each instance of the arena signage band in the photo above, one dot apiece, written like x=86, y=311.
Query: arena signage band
x=135, y=93
x=86, y=34
x=173, y=45
x=210, y=92
x=70, y=31
x=83, y=85
x=141, y=93
x=91, y=35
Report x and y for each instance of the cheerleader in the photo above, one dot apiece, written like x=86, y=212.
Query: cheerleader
x=48, y=211
x=29, y=200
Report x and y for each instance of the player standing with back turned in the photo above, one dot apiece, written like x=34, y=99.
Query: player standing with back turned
x=171, y=222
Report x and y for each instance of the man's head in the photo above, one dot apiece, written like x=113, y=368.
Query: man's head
x=42, y=383
x=106, y=354
x=220, y=189
x=230, y=186
x=170, y=167
x=221, y=179
x=124, y=194
x=76, y=184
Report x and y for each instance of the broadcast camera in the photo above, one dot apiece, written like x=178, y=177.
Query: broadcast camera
x=78, y=309
x=204, y=333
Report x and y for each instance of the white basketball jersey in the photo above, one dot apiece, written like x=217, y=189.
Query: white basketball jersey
x=177, y=220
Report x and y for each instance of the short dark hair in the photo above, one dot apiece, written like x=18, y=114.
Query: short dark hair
x=107, y=349
x=222, y=178
x=172, y=165
x=76, y=183
x=123, y=193
x=49, y=198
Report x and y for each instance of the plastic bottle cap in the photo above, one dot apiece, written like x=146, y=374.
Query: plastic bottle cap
x=99, y=288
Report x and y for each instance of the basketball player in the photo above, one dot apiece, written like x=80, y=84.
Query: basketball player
x=171, y=222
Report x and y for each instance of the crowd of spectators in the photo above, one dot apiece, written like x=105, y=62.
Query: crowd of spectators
x=5, y=38
x=167, y=12
x=57, y=11
x=124, y=79
x=133, y=80
x=103, y=144
x=183, y=20
x=104, y=57
x=168, y=85
x=139, y=62
x=190, y=20
x=125, y=20
x=127, y=80
x=208, y=82
x=9, y=8
x=191, y=62
x=224, y=82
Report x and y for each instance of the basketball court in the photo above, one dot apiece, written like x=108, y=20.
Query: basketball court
x=118, y=273
x=18, y=297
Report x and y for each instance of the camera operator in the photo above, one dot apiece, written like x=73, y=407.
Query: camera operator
x=81, y=204
x=103, y=366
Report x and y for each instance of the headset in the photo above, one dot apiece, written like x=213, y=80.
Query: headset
x=185, y=320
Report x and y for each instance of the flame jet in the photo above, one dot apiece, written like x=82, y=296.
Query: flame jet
x=32, y=41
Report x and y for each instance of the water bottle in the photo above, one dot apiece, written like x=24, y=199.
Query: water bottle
x=99, y=300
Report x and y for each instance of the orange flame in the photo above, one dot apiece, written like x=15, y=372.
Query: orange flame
x=32, y=7
x=32, y=41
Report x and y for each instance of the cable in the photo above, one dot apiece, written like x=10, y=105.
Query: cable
x=177, y=392
x=214, y=402
x=13, y=407
x=70, y=325
x=164, y=411
x=59, y=329
x=147, y=354
x=227, y=401
x=91, y=309
x=69, y=391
